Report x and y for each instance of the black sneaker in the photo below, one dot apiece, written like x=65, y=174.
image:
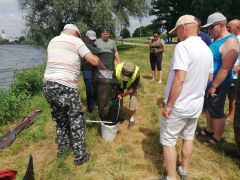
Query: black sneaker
x=84, y=159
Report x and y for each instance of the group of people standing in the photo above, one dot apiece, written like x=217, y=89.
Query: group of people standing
x=66, y=53
x=199, y=74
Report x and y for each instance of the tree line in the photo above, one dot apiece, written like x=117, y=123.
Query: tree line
x=168, y=11
x=45, y=19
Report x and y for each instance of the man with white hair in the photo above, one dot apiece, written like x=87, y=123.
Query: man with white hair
x=191, y=67
x=225, y=51
x=60, y=88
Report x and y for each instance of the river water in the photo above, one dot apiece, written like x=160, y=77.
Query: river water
x=14, y=58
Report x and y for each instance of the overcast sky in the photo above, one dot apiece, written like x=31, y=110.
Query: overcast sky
x=11, y=20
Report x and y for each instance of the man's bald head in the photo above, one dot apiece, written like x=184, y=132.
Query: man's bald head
x=233, y=26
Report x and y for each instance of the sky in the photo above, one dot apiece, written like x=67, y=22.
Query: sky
x=12, y=22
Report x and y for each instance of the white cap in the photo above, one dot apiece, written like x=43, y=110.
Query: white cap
x=185, y=19
x=91, y=34
x=72, y=27
x=214, y=18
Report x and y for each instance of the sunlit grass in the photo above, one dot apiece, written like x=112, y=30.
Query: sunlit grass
x=135, y=153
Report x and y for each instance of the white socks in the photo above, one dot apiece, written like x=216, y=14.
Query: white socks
x=132, y=119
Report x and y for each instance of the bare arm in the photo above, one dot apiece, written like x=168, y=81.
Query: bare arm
x=117, y=57
x=129, y=91
x=229, y=55
x=92, y=59
x=175, y=90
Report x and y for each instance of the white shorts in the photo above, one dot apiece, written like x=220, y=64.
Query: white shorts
x=172, y=127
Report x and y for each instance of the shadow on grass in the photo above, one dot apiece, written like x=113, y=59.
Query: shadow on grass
x=160, y=102
x=123, y=47
x=152, y=148
x=223, y=147
x=146, y=77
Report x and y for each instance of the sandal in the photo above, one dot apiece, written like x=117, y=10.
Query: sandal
x=212, y=141
x=205, y=132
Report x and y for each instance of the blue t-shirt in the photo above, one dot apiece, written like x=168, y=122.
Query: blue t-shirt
x=205, y=37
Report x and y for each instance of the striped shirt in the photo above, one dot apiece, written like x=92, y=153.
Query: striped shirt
x=64, y=61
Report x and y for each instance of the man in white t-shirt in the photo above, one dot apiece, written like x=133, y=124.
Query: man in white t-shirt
x=191, y=68
x=233, y=27
x=60, y=88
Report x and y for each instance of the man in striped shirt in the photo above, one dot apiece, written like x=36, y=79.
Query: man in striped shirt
x=60, y=88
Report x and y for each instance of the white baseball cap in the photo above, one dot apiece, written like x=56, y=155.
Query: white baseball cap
x=185, y=19
x=215, y=18
x=72, y=27
x=91, y=34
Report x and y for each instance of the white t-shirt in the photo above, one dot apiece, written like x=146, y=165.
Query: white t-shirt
x=237, y=63
x=195, y=57
x=63, y=64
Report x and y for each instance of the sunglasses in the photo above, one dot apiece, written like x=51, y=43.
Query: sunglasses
x=155, y=36
x=212, y=26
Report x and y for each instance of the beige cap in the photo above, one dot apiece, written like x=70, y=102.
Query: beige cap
x=127, y=71
x=72, y=27
x=185, y=19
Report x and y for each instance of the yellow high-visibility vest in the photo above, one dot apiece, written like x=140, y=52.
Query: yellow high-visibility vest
x=118, y=76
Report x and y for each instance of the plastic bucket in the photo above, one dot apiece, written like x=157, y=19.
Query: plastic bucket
x=109, y=133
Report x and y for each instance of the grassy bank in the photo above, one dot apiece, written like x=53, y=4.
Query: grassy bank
x=135, y=154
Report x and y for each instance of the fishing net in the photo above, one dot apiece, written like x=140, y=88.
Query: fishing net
x=105, y=89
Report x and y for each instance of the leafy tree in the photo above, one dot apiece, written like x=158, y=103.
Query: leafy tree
x=145, y=31
x=45, y=19
x=168, y=11
x=125, y=33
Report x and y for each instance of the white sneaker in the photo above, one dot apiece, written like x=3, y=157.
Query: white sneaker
x=152, y=79
x=160, y=81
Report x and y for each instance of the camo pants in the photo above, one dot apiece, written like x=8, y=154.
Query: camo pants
x=68, y=116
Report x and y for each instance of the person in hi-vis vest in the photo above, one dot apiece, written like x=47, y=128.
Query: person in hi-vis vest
x=128, y=79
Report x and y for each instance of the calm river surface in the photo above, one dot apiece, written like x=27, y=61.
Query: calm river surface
x=14, y=58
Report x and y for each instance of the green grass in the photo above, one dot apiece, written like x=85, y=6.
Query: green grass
x=135, y=153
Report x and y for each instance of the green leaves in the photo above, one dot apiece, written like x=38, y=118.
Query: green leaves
x=46, y=19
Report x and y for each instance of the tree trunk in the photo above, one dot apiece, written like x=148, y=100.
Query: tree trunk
x=236, y=123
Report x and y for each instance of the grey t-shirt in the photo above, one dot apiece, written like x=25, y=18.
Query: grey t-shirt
x=106, y=46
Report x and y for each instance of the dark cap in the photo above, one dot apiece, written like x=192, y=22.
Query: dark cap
x=127, y=71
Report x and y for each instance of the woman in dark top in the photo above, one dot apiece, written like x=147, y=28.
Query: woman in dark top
x=157, y=46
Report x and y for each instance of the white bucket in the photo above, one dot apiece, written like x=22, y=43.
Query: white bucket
x=109, y=133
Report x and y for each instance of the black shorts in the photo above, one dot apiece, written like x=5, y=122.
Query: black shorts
x=156, y=60
x=215, y=104
x=232, y=89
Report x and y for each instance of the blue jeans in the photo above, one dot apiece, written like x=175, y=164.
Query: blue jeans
x=89, y=90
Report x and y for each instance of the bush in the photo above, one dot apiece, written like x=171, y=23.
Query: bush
x=11, y=104
x=26, y=84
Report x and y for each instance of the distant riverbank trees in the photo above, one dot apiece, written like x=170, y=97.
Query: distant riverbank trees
x=168, y=11
x=45, y=19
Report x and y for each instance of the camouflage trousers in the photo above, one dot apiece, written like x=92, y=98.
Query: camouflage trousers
x=68, y=116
